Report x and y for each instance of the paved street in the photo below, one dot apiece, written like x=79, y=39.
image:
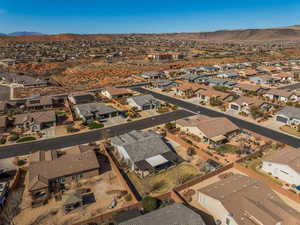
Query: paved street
x=91, y=136
x=278, y=136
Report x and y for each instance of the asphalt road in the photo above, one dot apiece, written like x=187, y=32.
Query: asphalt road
x=291, y=87
x=91, y=136
x=278, y=136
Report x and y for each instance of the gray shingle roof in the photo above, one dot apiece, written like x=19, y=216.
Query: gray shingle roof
x=145, y=100
x=175, y=214
x=290, y=112
x=99, y=108
x=141, y=145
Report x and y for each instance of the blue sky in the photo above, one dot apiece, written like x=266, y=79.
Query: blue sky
x=141, y=16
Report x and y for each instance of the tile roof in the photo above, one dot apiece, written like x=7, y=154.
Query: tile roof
x=249, y=201
x=37, y=117
x=175, y=214
x=287, y=157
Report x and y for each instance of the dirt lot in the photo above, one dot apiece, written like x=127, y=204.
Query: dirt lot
x=105, y=188
x=164, y=181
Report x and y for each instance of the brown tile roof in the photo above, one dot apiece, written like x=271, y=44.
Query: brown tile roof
x=248, y=87
x=287, y=157
x=214, y=93
x=117, y=91
x=185, y=86
x=211, y=127
x=249, y=201
x=249, y=100
x=63, y=166
x=43, y=156
x=250, y=72
x=37, y=117
x=284, y=74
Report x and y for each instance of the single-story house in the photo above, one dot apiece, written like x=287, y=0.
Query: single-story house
x=144, y=102
x=285, y=76
x=81, y=97
x=248, y=72
x=188, y=90
x=206, y=95
x=263, y=79
x=164, y=84
x=176, y=213
x=214, y=131
x=95, y=111
x=239, y=199
x=144, y=151
x=35, y=121
x=243, y=104
x=281, y=95
x=228, y=75
x=219, y=82
x=248, y=88
x=46, y=173
x=289, y=115
x=153, y=75
x=114, y=93
x=40, y=103
x=285, y=165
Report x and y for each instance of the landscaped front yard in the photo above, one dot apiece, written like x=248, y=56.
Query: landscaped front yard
x=290, y=130
x=164, y=181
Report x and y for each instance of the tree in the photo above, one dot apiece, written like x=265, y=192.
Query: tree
x=170, y=126
x=149, y=203
x=191, y=151
x=256, y=112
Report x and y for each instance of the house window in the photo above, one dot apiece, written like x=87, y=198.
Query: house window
x=60, y=179
x=76, y=177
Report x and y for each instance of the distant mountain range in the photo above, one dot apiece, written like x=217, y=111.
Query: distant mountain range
x=246, y=35
x=21, y=33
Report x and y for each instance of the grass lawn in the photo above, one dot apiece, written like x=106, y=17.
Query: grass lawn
x=166, y=180
x=94, y=125
x=227, y=148
x=24, y=139
x=290, y=130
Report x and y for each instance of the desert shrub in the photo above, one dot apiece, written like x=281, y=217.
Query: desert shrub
x=24, y=139
x=149, y=203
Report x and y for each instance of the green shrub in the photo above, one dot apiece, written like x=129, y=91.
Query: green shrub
x=128, y=197
x=71, y=129
x=13, y=137
x=24, y=139
x=149, y=203
x=95, y=125
x=2, y=141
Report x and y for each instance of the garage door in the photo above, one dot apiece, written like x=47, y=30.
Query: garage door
x=281, y=119
x=234, y=107
x=146, y=107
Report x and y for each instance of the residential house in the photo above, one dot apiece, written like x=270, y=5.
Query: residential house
x=164, y=84
x=228, y=75
x=214, y=131
x=243, y=104
x=188, y=90
x=35, y=121
x=239, y=199
x=40, y=103
x=289, y=115
x=248, y=72
x=280, y=95
x=248, y=89
x=7, y=62
x=264, y=79
x=207, y=95
x=47, y=173
x=285, y=77
x=176, y=213
x=153, y=75
x=81, y=98
x=285, y=165
x=165, y=56
x=95, y=111
x=143, y=102
x=144, y=151
x=115, y=93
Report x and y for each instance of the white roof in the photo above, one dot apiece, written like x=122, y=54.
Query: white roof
x=156, y=160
